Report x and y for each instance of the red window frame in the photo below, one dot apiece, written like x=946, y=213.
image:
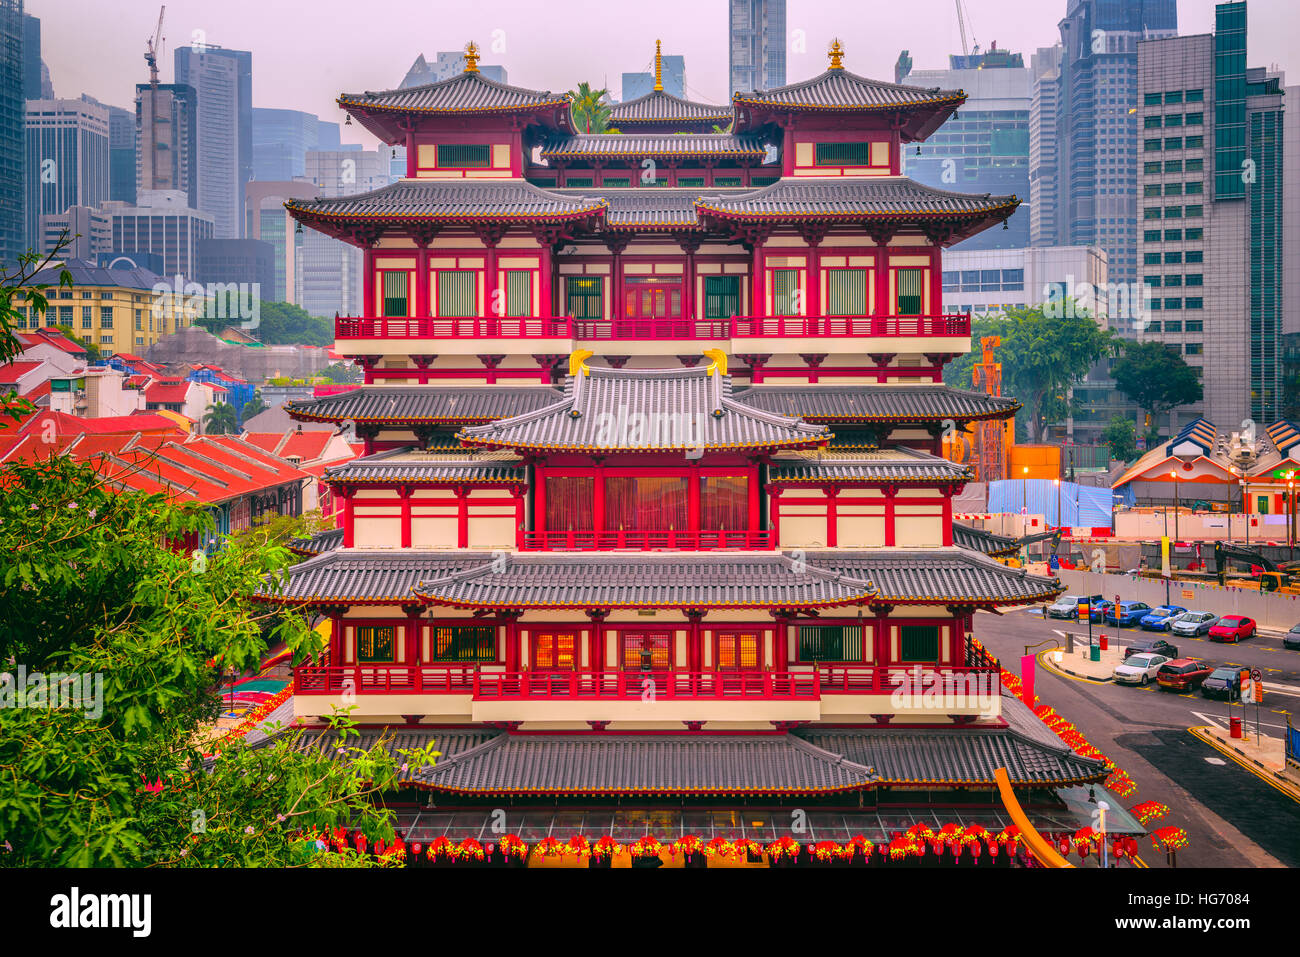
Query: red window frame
x=721, y=638
x=663, y=648
x=564, y=636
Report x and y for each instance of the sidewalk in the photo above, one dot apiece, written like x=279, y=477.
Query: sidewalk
x=1079, y=663
x=1265, y=758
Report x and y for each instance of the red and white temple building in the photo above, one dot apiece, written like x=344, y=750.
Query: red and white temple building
x=652, y=522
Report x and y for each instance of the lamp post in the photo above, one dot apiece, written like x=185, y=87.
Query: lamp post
x=1175, y=477
x=1024, y=501
x=1057, y=483
x=1290, y=513
x=1245, y=505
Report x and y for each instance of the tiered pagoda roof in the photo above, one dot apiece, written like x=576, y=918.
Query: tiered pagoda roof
x=445, y=406
x=466, y=94
x=977, y=539
x=658, y=110
x=895, y=466
x=419, y=467
x=886, y=404
x=658, y=145
x=642, y=210
x=483, y=580
x=627, y=410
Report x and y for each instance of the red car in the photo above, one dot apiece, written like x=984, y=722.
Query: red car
x=1182, y=674
x=1233, y=628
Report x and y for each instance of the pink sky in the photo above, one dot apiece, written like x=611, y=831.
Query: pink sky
x=304, y=55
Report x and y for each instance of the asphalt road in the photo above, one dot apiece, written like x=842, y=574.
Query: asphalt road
x=1233, y=818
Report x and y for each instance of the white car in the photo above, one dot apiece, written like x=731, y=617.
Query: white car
x=1192, y=623
x=1139, y=669
x=1067, y=606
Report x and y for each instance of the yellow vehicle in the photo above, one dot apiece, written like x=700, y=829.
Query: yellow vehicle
x=1274, y=578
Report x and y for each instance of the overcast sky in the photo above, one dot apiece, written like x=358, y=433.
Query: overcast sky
x=305, y=52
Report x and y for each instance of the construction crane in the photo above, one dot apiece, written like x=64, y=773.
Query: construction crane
x=962, y=17
x=153, y=49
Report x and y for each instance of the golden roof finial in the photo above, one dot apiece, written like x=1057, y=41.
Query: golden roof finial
x=837, y=55
x=659, y=69
x=471, y=57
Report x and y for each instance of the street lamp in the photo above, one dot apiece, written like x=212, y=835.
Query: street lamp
x=1024, y=501
x=1057, y=483
x=1174, y=474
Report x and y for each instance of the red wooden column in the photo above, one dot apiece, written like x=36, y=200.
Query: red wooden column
x=422, y=306
x=490, y=280
x=336, y=638
x=598, y=500
x=412, y=162
x=518, y=495
x=368, y=310
x=462, y=517
x=832, y=517
x=774, y=514
x=405, y=492
x=884, y=305
x=546, y=304
x=813, y=295
x=758, y=302
x=596, y=638
x=936, y=283
x=539, y=500
x=781, y=644
x=512, y=639
x=693, y=498
x=345, y=493
x=947, y=515
x=755, y=520
x=881, y=642
x=695, y=642
x=413, y=626
x=890, y=492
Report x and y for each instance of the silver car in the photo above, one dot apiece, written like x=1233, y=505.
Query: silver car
x=1138, y=669
x=1192, y=623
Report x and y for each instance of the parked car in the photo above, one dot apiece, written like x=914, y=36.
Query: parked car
x=1182, y=674
x=1193, y=623
x=1153, y=646
x=1158, y=619
x=1067, y=606
x=1128, y=613
x=1292, y=638
x=1100, y=610
x=1233, y=628
x=1139, y=669
x=1222, y=683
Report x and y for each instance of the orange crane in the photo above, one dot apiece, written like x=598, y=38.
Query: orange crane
x=990, y=437
x=153, y=49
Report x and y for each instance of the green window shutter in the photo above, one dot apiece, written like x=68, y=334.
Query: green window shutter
x=846, y=292
x=830, y=643
x=519, y=292
x=375, y=644
x=843, y=154
x=395, y=293
x=919, y=642
x=580, y=182
x=465, y=643
x=584, y=298
x=456, y=293
x=617, y=182
x=690, y=182
x=726, y=181
x=464, y=156
x=721, y=296
x=911, y=295
x=784, y=284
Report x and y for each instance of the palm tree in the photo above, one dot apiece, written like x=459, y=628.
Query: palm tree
x=253, y=406
x=220, y=419
x=590, y=110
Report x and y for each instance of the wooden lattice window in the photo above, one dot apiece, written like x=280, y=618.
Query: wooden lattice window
x=375, y=643
x=721, y=296
x=919, y=642
x=457, y=293
x=843, y=154
x=465, y=643
x=830, y=643
x=846, y=292
x=464, y=156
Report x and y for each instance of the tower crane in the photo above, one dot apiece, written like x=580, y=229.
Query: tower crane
x=153, y=48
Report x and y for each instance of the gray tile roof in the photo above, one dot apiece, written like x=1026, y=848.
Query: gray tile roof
x=658, y=107
x=725, y=145
x=462, y=93
x=420, y=467
x=644, y=410
x=645, y=764
x=884, y=465
x=877, y=403
x=366, y=577
x=431, y=405
x=938, y=576
x=853, y=199
x=317, y=544
x=652, y=207
x=977, y=539
x=448, y=201
x=449, y=742
x=967, y=755
x=620, y=580
x=838, y=89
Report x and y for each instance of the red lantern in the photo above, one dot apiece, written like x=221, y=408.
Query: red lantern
x=993, y=850
x=417, y=848
x=975, y=849
x=1083, y=849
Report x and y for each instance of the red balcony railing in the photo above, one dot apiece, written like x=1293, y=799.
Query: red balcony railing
x=943, y=680
x=492, y=327
x=654, y=330
x=647, y=541
x=643, y=685
x=650, y=329
x=814, y=327
x=384, y=679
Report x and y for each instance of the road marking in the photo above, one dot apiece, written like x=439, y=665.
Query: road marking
x=1216, y=761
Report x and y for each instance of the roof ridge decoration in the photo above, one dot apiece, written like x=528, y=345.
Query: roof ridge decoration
x=640, y=410
x=429, y=97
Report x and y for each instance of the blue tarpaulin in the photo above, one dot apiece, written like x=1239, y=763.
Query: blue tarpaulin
x=1080, y=505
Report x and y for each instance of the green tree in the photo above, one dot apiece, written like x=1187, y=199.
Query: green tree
x=279, y=324
x=1155, y=377
x=16, y=283
x=1121, y=436
x=253, y=406
x=92, y=350
x=1045, y=350
x=591, y=109
x=220, y=419
x=89, y=588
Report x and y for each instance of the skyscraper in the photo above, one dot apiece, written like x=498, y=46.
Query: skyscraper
x=36, y=75
x=121, y=151
x=328, y=275
x=12, y=104
x=672, y=73
x=268, y=221
x=1096, y=123
x=1044, y=152
x=167, y=128
x=281, y=139
x=1211, y=194
x=445, y=65
x=66, y=158
x=756, y=55
x=223, y=82
x=985, y=147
